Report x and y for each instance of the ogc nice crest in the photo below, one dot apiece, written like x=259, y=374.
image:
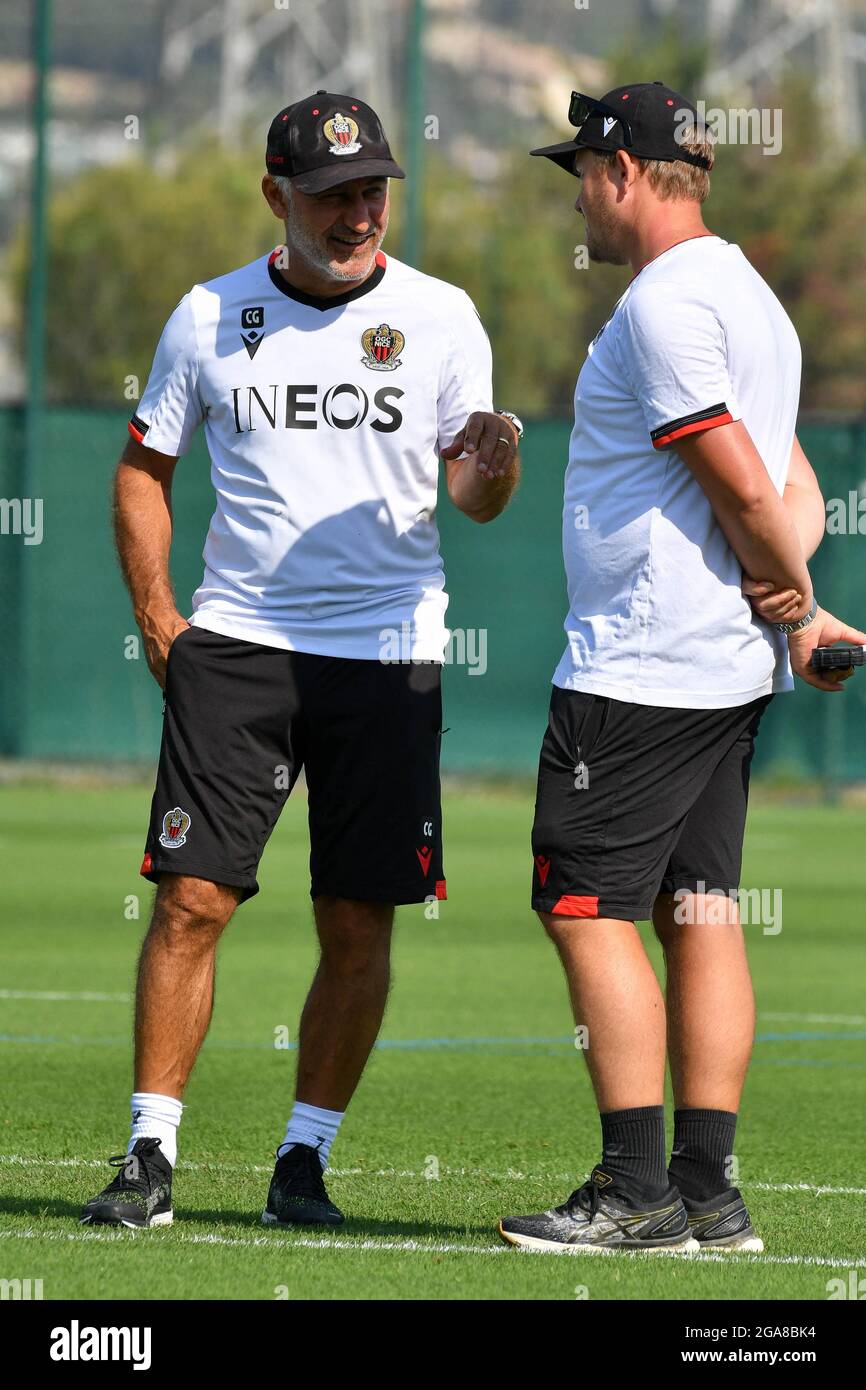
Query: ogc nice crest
x=341, y=133
x=175, y=824
x=382, y=347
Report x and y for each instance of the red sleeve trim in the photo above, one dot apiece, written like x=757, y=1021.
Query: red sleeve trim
x=690, y=424
x=138, y=428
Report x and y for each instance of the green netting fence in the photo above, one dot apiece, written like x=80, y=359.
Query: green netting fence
x=68, y=690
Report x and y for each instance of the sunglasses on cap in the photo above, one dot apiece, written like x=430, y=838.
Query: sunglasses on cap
x=582, y=107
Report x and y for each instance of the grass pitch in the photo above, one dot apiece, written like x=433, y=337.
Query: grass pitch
x=474, y=1105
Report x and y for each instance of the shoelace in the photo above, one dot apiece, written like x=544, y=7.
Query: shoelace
x=134, y=1172
x=306, y=1171
x=577, y=1199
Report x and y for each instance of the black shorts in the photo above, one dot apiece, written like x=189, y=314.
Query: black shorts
x=638, y=800
x=240, y=722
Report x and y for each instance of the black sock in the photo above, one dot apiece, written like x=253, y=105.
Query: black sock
x=702, y=1150
x=634, y=1146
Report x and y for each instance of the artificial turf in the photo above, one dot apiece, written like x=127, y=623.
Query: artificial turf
x=476, y=1078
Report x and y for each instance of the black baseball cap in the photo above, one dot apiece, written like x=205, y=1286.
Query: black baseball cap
x=328, y=139
x=642, y=118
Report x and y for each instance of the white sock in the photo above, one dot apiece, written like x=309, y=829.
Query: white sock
x=156, y=1117
x=310, y=1125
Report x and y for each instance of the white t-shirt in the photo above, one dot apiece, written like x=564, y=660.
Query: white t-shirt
x=324, y=420
x=656, y=614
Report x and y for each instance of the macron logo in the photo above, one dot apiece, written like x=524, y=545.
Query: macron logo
x=76, y=1343
x=609, y=123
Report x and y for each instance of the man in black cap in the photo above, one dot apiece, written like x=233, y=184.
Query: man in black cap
x=690, y=513
x=329, y=379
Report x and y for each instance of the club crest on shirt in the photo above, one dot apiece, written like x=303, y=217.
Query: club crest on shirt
x=253, y=320
x=175, y=824
x=382, y=347
x=341, y=133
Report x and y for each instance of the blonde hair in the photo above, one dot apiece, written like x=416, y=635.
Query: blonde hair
x=671, y=179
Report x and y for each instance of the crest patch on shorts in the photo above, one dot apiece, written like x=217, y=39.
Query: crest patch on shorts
x=175, y=824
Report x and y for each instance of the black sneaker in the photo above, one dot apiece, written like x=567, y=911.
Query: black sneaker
x=297, y=1196
x=723, y=1223
x=601, y=1217
x=140, y=1195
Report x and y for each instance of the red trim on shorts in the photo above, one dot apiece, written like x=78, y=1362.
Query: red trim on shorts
x=576, y=905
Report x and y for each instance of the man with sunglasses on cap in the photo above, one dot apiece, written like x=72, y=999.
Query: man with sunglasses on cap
x=330, y=379
x=690, y=512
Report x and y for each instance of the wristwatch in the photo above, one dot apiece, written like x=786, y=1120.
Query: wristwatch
x=798, y=626
x=518, y=425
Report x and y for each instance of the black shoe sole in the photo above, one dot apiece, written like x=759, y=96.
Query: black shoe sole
x=109, y=1218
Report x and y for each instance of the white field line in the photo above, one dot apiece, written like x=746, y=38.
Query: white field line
x=510, y=1175
x=419, y=1247
x=96, y=997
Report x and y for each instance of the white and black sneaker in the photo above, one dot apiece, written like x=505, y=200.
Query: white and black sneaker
x=723, y=1223
x=297, y=1196
x=140, y=1195
x=604, y=1216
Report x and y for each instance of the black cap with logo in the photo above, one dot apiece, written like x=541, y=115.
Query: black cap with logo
x=643, y=119
x=327, y=139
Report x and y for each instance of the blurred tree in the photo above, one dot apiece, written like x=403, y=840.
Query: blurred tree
x=799, y=215
x=512, y=248
x=668, y=57
x=800, y=218
x=127, y=242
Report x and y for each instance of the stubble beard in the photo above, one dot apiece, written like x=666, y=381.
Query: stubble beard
x=312, y=247
x=601, y=242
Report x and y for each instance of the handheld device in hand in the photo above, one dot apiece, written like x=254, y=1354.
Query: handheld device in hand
x=837, y=658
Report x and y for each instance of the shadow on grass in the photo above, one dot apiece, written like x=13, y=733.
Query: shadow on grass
x=249, y=1222
x=351, y=1229
x=40, y=1206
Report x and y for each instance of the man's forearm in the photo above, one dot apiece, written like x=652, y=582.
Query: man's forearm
x=808, y=515
x=142, y=528
x=757, y=524
x=765, y=540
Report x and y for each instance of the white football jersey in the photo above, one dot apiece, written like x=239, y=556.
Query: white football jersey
x=324, y=420
x=657, y=616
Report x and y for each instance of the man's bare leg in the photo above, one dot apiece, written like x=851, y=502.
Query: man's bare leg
x=174, y=995
x=616, y=996
x=711, y=1027
x=710, y=1002
x=339, y=1025
x=346, y=1002
x=173, y=1004
x=627, y=1203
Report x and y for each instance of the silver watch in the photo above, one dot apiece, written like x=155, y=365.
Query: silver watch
x=518, y=424
x=798, y=626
